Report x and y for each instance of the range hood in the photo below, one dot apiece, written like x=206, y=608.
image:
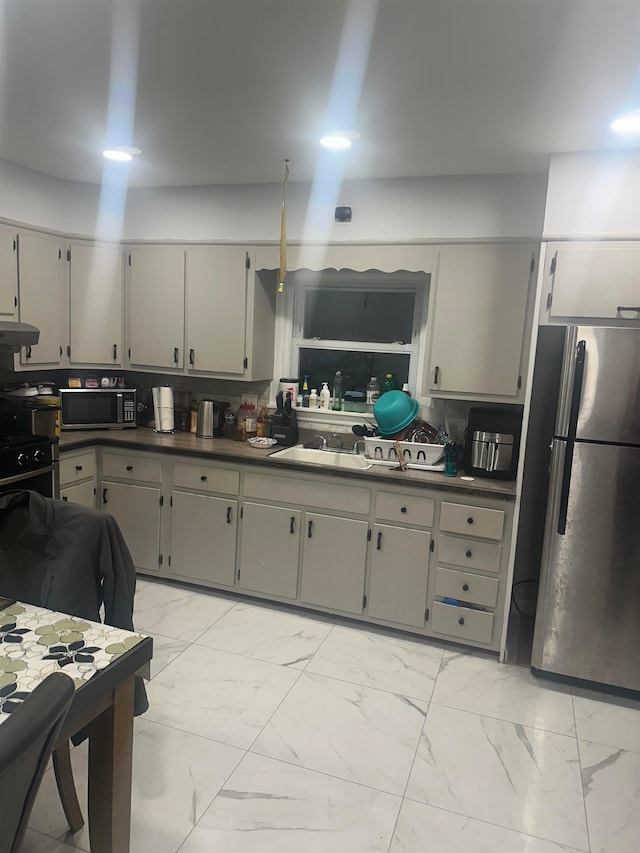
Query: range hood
x=14, y=335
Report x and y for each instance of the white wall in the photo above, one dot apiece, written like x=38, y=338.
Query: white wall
x=458, y=207
x=593, y=194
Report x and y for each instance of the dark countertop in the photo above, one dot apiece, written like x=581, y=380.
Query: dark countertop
x=225, y=450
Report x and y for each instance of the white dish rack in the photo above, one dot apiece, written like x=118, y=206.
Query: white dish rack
x=417, y=455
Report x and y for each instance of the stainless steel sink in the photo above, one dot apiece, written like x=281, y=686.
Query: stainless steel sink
x=324, y=458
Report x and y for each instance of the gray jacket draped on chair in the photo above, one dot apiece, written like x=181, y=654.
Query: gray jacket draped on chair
x=68, y=558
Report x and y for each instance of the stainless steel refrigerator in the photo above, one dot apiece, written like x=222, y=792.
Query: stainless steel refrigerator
x=588, y=614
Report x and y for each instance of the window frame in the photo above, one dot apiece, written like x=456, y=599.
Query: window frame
x=301, y=283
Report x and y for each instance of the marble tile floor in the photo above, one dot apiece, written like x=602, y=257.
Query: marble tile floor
x=276, y=730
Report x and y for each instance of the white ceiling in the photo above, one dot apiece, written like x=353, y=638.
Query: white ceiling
x=221, y=91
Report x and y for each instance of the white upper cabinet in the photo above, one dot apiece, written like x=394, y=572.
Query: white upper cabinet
x=595, y=280
x=230, y=314
x=42, y=265
x=216, y=280
x=156, y=306
x=95, y=278
x=8, y=272
x=477, y=322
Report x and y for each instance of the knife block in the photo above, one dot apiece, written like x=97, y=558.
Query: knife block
x=284, y=428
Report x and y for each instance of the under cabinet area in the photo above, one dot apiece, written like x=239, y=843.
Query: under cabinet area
x=424, y=560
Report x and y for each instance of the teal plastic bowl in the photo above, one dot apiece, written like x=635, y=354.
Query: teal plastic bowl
x=394, y=411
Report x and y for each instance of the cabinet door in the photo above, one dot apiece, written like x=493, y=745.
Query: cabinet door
x=216, y=282
x=599, y=280
x=137, y=511
x=95, y=295
x=42, y=269
x=477, y=331
x=203, y=538
x=399, y=571
x=270, y=541
x=81, y=493
x=333, y=562
x=156, y=306
x=8, y=272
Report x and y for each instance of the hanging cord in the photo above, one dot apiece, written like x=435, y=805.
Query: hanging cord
x=283, y=231
x=513, y=598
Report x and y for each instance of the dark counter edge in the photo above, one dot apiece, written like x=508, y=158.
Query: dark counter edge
x=147, y=441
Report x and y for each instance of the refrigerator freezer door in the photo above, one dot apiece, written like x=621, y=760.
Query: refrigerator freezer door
x=588, y=617
x=610, y=391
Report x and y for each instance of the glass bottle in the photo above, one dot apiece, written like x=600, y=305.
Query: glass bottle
x=337, y=392
x=260, y=422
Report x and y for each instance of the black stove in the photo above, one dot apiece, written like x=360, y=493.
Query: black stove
x=22, y=453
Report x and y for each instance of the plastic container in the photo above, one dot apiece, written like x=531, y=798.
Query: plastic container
x=337, y=392
x=394, y=411
x=324, y=399
x=373, y=393
x=229, y=423
x=450, y=460
x=389, y=383
x=246, y=422
x=313, y=398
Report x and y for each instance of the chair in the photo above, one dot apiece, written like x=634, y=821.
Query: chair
x=85, y=543
x=27, y=739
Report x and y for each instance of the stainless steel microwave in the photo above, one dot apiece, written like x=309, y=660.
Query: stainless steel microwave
x=98, y=408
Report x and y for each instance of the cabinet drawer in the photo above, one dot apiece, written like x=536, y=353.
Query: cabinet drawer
x=473, y=625
x=79, y=467
x=467, y=587
x=144, y=468
x=206, y=478
x=468, y=553
x=472, y=520
x=324, y=493
x=408, y=508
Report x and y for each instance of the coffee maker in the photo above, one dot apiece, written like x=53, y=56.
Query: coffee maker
x=492, y=442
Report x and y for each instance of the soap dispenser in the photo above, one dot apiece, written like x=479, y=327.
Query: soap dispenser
x=325, y=396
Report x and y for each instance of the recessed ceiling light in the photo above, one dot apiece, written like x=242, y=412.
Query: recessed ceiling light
x=339, y=139
x=629, y=123
x=121, y=153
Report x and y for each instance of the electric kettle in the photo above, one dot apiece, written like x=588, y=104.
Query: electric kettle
x=204, y=422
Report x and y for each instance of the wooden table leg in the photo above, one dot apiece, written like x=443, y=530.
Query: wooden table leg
x=110, y=764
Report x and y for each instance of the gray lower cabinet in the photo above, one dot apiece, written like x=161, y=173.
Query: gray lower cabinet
x=334, y=553
x=137, y=511
x=269, y=549
x=80, y=493
x=203, y=538
x=399, y=575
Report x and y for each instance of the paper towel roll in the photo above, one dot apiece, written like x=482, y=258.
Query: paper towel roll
x=163, y=408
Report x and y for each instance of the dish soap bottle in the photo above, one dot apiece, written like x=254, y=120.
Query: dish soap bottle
x=337, y=391
x=325, y=396
x=305, y=392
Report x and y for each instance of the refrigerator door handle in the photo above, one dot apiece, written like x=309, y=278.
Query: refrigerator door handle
x=576, y=393
x=564, y=488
